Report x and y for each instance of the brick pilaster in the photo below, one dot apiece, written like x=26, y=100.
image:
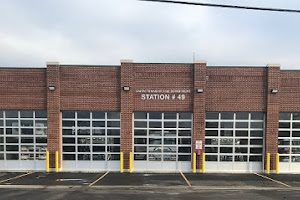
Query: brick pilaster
x=272, y=112
x=199, y=107
x=126, y=110
x=53, y=112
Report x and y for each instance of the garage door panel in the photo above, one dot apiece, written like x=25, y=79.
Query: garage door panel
x=162, y=141
x=234, y=167
x=234, y=142
x=91, y=140
x=69, y=165
x=140, y=166
x=154, y=166
x=289, y=142
x=23, y=140
x=40, y=165
x=13, y=165
x=167, y=165
x=83, y=165
x=24, y=164
x=184, y=166
x=113, y=165
x=2, y=165
x=160, y=166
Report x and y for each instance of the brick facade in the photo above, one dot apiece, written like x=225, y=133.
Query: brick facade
x=289, y=94
x=53, y=113
x=90, y=88
x=126, y=111
x=199, y=105
x=23, y=89
x=236, y=89
x=272, y=110
x=100, y=88
x=162, y=77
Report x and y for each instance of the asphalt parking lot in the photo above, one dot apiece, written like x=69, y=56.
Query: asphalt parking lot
x=291, y=179
x=113, y=179
x=111, y=185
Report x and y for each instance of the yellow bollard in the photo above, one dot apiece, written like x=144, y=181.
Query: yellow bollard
x=130, y=162
x=268, y=163
x=277, y=163
x=121, y=162
x=56, y=161
x=203, y=162
x=194, y=162
x=47, y=161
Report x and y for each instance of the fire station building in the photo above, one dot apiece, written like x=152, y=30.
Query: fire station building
x=160, y=113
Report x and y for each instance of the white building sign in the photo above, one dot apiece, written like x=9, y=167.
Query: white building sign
x=198, y=144
x=163, y=95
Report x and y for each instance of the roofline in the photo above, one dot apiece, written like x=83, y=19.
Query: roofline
x=239, y=66
x=289, y=70
x=23, y=67
x=209, y=66
x=165, y=63
x=90, y=65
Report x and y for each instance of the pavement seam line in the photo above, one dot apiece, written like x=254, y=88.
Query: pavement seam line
x=186, y=180
x=99, y=179
x=279, y=182
x=20, y=176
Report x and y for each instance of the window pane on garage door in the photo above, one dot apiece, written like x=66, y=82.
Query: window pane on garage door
x=234, y=137
x=91, y=136
x=162, y=136
x=23, y=137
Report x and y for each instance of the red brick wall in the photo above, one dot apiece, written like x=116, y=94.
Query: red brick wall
x=126, y=112
x=236, y=89
x=199, y=108
x=53, y=114
x=163, y=77
x=90, y=88
x=22, y=89
x=272, y=110
x=290, y=91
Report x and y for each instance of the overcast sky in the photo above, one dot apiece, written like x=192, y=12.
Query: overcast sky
x=105, y=31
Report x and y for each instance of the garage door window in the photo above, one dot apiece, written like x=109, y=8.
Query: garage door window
x=23, y=135
x=234, y=137
x=91, y=135
x=162, y=136
x=289, y=137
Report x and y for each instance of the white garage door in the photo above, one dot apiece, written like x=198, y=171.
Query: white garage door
x=91, y=141
x=162, y=141
x=234, y=142
x=289, y=142
x=23, y=140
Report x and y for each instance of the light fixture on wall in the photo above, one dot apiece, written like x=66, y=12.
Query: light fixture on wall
x=274, y=91
x=199, y=90
x=51, y=88
x=126, y=88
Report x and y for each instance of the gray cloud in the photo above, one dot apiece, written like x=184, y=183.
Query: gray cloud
x=105, y=31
